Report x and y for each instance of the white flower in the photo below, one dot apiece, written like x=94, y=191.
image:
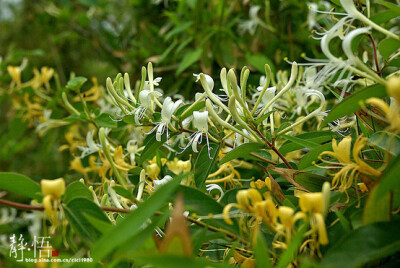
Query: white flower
x=251, y=24
x=200, y=121
x=92, y=147
x=168, y=109
x=159, y=183
x=146, y=98
x=156, y=82
x=132, y=148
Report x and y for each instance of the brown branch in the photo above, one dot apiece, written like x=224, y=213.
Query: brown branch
x=271, y=146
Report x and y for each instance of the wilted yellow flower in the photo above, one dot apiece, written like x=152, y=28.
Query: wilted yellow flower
x=15, y=73
x=52, y=191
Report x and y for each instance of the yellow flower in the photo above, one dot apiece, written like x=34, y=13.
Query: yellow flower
x=52, y=191
x=348, y=174
x=313, y=205
x=178, y=166
x=15, y=73
x=231, y=175
x=93, y=94
x=392, y=113
x=393, y=87
x=41, y=78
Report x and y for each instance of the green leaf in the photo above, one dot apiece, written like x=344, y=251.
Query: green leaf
x=106, y=120
x=354, y=102
x=386, y=141
x=132, y=223
x=20, y=184
x=204, y=164
x=178, y=29
x=76, y=83
x=391, y=6
x=150, y=147
x=316, y=137
x=100, y=225
x=291, y=252
x=383, y=16
x=258, y=61
x=75, y=212
x=364, y=245
x=390, y=179
x=75, y=190
x=304, y=180
x=123, y=192
x=190, y=58
x=387, y=46
x=312, y=155
x=243, y=149
x=375, y=209
x=302, y=142
x=261, y=252
x=202, y=204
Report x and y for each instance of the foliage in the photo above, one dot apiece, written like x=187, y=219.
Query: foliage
x=294, y=164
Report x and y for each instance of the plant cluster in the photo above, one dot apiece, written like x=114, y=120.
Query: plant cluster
x=296, y=169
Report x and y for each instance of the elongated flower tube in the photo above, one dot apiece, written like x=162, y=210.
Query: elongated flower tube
x=118, y=98
x=208, y=87
x=236, y=92
x=168, y=109
x=221, y=122
x=236, y=117
x=291, y=81
x=351, y=9
x=354, y=60
x=311, y=92
x=128, y=88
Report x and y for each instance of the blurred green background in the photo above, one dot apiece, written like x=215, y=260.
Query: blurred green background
x=98, y=38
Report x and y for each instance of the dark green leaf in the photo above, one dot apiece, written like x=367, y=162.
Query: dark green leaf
x=366, y=244
x=20, y=184
x=242, y=150
x=76, y=83
x=204, y=164
x=258, y=61
x=261, y=252
x=151, y=146
x=354, y=102
x=105, y=120
x=291, y=252
x=387, y=141
x=76, y=210
x=312, y=155
x=190, y=58
x=390, y=178
x=75, y=190
x=133, y=221
x=375, y=209
x=316, y=137
x=387, y=46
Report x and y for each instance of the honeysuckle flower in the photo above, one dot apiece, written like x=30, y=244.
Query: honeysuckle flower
x=200, y=122
x=168, y=109
x=392, y=112
x=159, y=183
x=52, y=191
x=251, y=24
x=41, y=77
x=156, y=82
x=91, y=147
x=393, y=87
x=178, y=166
x=15, y=73
x=115, y=198
x=132, y=148
x=313, y=205
x=347, y=176
x=146, y=98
